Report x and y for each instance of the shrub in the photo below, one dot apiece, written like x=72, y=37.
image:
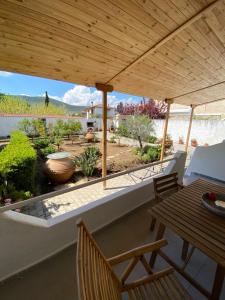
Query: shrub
x=34, y=127
x=149, y=153
x=17, y=162
x=48, y=150
x=41, y=143
x=87, y=161
x=152, y=139
x=58, y=141
x=122, y=130
x=112, y=139
x=67, y=128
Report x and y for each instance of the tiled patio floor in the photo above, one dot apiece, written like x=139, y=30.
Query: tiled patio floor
x=56, y=277
x=57, y=205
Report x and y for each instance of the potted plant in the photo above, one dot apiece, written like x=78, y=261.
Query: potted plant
x=181, y=140
x=168, y=142
x=89, y=136
x=194, y=143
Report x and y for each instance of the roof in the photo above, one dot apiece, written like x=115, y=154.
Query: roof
x=158, y=49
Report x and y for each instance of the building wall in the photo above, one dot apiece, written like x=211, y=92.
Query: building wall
x=205, y=131
x=11, y=123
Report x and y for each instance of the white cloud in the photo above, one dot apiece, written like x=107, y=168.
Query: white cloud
x=5, y=74
x=82, y=95
x=25, y=95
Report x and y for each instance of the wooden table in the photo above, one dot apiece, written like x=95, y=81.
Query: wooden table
x=183, y=213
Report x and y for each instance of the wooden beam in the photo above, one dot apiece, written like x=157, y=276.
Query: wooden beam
x=104, y=88
x=167, y=38
x=189, y=127
x=169, y=102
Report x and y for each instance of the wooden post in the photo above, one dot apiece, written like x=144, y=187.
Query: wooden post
x=189, y=128
x=105, y=89
x=169, y=102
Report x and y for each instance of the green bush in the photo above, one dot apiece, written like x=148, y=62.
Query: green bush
x=17, y=162
x=66, y=128
x=42, y=143
x=122, y=130
x=87, y=161
x=48, y=150
x=149, y=153
x=152, y=139
x=112, y=139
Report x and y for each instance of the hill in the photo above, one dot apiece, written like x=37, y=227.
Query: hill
x=72, y=109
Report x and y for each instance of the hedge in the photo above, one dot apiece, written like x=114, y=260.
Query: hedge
x=18, y=161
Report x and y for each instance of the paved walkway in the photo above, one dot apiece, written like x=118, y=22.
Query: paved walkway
x=65, y=202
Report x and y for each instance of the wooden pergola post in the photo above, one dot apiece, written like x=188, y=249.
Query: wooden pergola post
x=189, y=127
x=169, y=102
x=105, y=89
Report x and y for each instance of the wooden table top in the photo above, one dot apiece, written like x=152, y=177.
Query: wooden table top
x=184, y=214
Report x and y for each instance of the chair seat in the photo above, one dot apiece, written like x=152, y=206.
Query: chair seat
x=166, y=287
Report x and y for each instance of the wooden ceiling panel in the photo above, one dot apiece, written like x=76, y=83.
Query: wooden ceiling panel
x=155, y=48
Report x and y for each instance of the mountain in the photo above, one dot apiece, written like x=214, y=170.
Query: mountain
x=72, y=109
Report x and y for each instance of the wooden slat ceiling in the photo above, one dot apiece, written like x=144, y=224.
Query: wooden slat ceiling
x=127, y=43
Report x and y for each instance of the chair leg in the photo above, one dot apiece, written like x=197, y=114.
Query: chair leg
x=152, y=225
x=184, y=250
x=188, y=257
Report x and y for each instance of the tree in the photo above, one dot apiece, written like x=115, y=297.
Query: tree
x=153, y=108
x=66, y=128
x=140, y=127
x=46, y=99
x=72, y=127
x=33, y=127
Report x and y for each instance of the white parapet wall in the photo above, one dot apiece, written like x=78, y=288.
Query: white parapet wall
x=208, y=161
x=27, y=240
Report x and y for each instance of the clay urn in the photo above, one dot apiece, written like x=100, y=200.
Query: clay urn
x=59, y=167
x=89, y=136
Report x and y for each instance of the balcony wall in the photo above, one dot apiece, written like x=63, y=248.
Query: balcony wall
x=27, y=240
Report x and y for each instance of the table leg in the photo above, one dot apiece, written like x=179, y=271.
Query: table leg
x=159, y=236
x=218, y=283
x=184, y=249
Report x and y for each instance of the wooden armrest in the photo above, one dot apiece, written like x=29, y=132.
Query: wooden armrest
x=137, y=252
x=146, y=279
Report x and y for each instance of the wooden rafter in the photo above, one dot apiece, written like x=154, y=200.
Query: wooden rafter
x=166, y=39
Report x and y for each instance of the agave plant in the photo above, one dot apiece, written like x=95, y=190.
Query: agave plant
x=87, y=161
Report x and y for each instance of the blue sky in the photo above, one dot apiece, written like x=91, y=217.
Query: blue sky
x=18, y=84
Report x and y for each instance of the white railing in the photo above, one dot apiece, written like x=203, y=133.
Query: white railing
x=151, y=170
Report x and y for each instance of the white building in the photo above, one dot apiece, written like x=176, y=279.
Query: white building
x=95, y=111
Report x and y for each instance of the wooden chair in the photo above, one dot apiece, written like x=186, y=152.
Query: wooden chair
x=164, y=186
x=97, y=280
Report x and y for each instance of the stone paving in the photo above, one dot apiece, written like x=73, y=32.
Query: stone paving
x=65, y=202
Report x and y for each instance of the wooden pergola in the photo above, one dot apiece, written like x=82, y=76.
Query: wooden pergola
x=164, y=49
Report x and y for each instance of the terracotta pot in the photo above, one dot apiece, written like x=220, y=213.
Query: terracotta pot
x=89, y=136
x=60, y=169
x=194, y=143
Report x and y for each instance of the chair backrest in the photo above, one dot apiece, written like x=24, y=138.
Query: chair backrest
x=166, y=183
x=96, y=279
